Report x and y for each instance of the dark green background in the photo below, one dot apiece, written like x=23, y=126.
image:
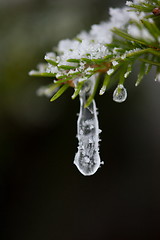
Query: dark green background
x=43, y=196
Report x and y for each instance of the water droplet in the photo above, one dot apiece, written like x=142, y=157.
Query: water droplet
x=87, y=158
x=120, y=94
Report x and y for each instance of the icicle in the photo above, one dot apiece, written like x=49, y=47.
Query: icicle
x=120, y=94
x=87, y=158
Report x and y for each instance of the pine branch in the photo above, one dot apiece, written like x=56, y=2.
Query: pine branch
x=102, y=58
x=135, y=37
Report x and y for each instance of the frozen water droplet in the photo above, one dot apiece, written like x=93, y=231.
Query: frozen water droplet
x=157, y=77
x=127, y=74
x=102, y=91
x=87, y=158
x=120, y=94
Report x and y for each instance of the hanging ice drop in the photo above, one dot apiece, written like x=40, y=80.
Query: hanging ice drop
x=120, y=94
x=87, y=158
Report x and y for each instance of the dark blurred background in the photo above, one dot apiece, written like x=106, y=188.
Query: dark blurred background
x=43, y=196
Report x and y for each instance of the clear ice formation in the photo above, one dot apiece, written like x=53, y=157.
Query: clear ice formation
x=120, y=94
x=87, y=158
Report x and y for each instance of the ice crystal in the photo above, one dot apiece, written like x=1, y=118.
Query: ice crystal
x=110, y=71
x=129, y=3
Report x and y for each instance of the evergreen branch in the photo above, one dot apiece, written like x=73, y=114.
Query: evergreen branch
x=141, y=74
x=60, y=92
x=105, y=84
x=152, y=28
x=138, y=38
x=77, y=89
x=143, y=6
x=54, y=63
x=108, y=53
x=150, y=62
x=127, y=36
x=41, y=74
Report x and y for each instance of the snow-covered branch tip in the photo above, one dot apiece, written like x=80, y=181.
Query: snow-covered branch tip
x=101, y=57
